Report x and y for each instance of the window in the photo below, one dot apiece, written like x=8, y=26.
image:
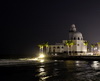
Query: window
x=78, y=38
x=58, y=47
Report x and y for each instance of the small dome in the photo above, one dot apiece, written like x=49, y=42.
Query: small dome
x=73, y=28
x=77, y=36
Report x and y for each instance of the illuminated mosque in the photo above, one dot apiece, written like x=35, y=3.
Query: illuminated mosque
x=75, y=44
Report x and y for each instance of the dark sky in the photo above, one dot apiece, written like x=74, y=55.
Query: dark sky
x=24, y=24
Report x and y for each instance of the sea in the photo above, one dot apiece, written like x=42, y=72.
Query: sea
x=51, y=70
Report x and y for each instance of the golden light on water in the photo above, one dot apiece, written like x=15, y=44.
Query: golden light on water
x=40, y=58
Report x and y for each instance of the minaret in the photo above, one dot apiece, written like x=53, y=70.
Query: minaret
x=71, y=31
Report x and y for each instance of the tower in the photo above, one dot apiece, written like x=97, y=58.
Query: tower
x=71, y=31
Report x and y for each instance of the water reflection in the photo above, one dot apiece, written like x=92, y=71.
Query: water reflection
x=85, y=70
x=77, y=63
x=42, y=73
x=95, y=65
x=69, y=71
x=41, y=69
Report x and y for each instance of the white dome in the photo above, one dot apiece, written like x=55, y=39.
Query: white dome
x=73, y=28
x=74, y=34
x=77, y=36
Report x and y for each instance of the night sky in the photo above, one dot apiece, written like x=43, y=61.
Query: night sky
x=25, y=24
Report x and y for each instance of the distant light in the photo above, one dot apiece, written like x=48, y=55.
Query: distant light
x=41, y=56
x=55, y=60
x=55, y=54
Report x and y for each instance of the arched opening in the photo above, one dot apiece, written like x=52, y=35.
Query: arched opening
x=74, y=38
x=58, y=47
x=49, y=49
x=78, y=38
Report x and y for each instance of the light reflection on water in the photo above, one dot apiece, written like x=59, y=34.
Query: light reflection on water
x=51, y=71
x=96, y=65
x=69, y=71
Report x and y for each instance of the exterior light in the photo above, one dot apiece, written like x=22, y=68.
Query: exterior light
x=41, y=56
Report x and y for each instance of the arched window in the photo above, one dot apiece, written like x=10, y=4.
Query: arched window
x=78, y=38
x=58, y=47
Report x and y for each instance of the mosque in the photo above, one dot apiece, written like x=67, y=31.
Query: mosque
x=75, y=44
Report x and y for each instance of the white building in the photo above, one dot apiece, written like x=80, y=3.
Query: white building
x=95, y=48
x=79, y=45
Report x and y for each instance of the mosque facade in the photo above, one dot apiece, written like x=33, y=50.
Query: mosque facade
x=75, y=43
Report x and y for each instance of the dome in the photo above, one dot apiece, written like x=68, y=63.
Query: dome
x=73, y=28
x=74, y=34
x=77, y=36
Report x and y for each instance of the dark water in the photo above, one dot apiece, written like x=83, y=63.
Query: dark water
x=52, y=71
